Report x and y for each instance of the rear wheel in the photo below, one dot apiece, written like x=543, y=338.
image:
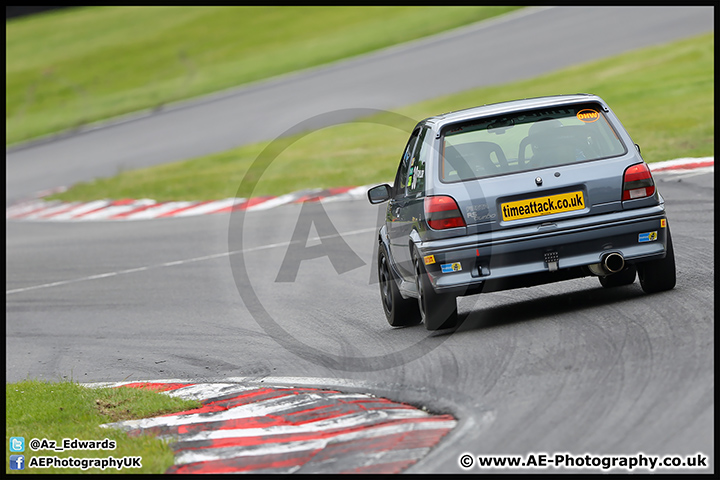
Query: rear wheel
x=400, y=312
x=624, y=277
x=659, y=275
x=437, y=310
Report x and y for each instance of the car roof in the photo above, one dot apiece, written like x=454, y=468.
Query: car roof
x=510, y=106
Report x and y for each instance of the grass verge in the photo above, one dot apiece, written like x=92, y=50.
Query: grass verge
x=68, y=68
x=664, y=96
x=55, y=411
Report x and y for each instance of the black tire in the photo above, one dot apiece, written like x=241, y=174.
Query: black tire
x=437, y=310
x=621, y=278
x=659, y=275
x=400, y=312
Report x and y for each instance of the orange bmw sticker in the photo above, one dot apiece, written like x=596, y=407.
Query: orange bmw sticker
x=588, y=115
x=662, y=223
x=430, y=259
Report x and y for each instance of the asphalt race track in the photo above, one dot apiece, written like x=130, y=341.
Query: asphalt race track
x=567, y=367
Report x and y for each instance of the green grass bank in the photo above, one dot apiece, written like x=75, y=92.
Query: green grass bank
x=68, y=68
x=55, y=411
x=664, y=96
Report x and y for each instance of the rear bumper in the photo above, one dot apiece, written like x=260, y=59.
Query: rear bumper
x=638, y=235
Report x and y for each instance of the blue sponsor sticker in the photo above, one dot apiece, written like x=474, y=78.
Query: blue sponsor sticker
x=647, y=237
x=451, y=267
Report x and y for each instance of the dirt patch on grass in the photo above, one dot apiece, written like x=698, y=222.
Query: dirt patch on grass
x=114, y=410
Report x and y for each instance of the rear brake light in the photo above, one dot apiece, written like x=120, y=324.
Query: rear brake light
x=638, y=182
x=442, y=212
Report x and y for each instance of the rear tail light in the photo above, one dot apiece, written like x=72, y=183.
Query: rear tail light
x=442, y=212
x=638, y=182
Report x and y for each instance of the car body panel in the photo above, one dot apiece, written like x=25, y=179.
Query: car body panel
x=578, y=242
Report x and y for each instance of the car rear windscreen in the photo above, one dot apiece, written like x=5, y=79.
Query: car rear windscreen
x=527, y=141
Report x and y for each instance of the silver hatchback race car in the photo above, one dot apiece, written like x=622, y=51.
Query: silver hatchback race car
x=517, y=194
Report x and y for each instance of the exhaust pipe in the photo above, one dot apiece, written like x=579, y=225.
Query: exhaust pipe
x=613, y=262
x=610, y=263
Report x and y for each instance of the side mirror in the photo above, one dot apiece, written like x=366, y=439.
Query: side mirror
x=637, y=147
x=379, y=194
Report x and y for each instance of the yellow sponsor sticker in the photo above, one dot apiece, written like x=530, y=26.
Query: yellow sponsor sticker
x=662, y=223
x=429, y=259
x=536, y=207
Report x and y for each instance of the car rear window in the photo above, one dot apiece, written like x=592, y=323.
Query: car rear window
x=527, y=141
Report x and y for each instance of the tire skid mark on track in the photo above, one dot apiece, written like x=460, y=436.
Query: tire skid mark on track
x=282, y=429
